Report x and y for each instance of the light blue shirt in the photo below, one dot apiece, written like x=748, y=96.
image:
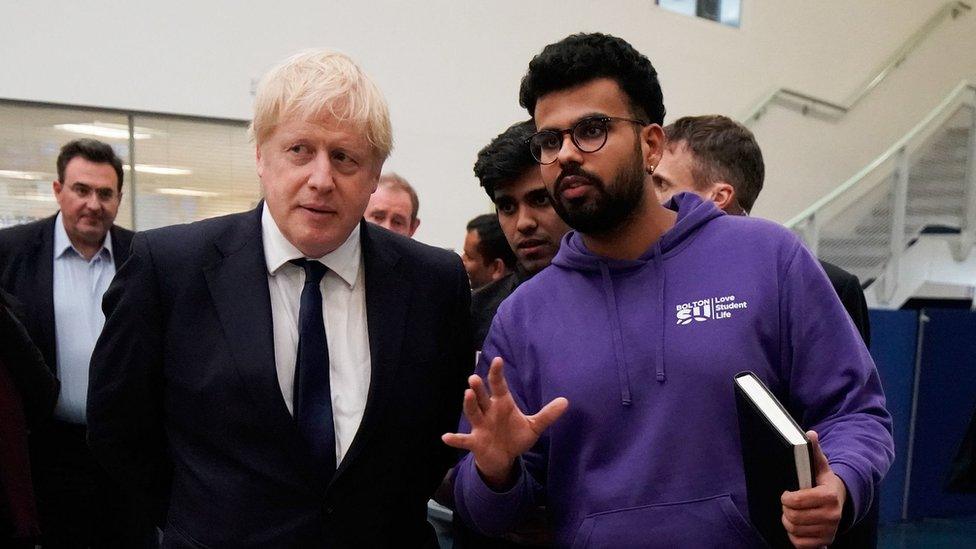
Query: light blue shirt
x=78, y=288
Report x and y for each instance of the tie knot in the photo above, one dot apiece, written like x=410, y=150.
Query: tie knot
x=314, y=270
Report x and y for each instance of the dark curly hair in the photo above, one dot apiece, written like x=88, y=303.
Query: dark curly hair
x=492, y=243
x=506, y=158
x=581, y=58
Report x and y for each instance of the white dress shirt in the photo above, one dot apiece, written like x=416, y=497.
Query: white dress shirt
x=78, y=319
x=344, y=307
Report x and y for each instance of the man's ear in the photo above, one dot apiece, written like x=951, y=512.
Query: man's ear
x=723, y=194
x=257, y=160
x=497, y=269
x=652, y=146
x=414, y=226
x=57, y=186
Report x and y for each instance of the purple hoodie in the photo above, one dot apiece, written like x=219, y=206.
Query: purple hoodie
x=648, y=452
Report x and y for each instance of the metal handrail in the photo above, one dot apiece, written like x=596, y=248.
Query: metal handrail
x=949, y=10
x=941, y=109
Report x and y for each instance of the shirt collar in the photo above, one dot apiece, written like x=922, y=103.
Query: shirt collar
x=62, y=243
x=344, y=261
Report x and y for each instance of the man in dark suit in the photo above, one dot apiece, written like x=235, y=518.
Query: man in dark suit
x=719, y=159
x=58, y=269
x=281, y=377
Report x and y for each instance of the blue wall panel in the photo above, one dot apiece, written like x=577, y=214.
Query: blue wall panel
x=893, y=345
x=947, y=398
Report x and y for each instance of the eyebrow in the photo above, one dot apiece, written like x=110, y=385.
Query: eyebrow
x=592, y=114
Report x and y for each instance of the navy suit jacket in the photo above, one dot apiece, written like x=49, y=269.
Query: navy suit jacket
x=27, y=272
x=184, y=405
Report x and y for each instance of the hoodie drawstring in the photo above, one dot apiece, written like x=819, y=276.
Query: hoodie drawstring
x=617, y=335
x=661, y=282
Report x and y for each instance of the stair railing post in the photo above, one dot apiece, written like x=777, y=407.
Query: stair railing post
x=899, y=213
x=967, y=236
x=811, y=233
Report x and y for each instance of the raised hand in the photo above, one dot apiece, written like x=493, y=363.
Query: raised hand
x=500, y=432
x=811, y=516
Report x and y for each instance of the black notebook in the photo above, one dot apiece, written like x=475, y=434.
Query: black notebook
x=776, y=454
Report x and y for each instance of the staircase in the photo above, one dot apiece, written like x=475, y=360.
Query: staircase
x=925, y=181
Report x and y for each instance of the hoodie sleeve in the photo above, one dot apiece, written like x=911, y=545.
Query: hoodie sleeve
x=833, y=384
x=487, y=511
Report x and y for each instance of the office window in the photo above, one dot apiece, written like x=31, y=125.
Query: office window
x=192, y=170
x=30, y=139
x=726, y=12
x=186, y=169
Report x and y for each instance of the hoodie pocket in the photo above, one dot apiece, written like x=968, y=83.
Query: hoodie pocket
x=708, y=522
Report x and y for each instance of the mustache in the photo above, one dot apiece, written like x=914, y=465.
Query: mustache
x=575, y=170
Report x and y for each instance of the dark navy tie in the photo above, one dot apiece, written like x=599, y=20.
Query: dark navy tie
x=312, y=394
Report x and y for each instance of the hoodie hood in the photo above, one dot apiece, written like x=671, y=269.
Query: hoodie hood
x=693, y=213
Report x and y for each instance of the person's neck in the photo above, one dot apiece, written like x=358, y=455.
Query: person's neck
x=634, y=236
x=87, y=249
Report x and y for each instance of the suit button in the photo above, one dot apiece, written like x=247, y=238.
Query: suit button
x=329, y=510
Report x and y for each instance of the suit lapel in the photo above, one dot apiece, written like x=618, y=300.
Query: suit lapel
x=40, y=276
x=238, y=284
x=387, y=294
x=121, y=242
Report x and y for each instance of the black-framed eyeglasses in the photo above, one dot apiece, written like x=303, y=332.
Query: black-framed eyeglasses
x=589, y=135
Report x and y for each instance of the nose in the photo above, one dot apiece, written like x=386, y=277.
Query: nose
x=569, y=152
x=526, y=223
x=92, y=202
x=320, y=174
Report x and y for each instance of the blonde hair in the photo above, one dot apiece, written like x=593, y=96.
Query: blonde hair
x=312, y=83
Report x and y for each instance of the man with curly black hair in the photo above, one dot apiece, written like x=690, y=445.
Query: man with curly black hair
x=625, y=348
x=510, y=177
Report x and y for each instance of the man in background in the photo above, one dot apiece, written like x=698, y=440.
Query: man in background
x=486, y=256
x=719, y=159
x=510, y=176
x=58, y=268
x=394, y=205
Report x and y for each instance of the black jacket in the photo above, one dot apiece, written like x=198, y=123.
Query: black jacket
x=185, y=408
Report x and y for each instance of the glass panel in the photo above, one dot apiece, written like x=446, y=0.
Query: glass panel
x=726, y=12
x=190, y=170
x=30, y=138
x=686, y=7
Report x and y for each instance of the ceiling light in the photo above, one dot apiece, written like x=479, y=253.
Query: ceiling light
x=27, y=176
x=106, y=130
x=36, y=197
x=186, y=192
x=159, y=170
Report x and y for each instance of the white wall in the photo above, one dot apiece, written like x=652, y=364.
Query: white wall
x=451, y=69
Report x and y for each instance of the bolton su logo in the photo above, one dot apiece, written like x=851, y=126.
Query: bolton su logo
x=713, y=308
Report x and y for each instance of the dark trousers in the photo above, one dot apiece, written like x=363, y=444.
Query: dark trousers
x=79, y=505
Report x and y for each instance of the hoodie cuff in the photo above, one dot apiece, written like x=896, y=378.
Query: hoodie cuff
x=490, y=512
x=859, y=494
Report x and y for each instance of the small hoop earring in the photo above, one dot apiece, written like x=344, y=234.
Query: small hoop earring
x=651, y=170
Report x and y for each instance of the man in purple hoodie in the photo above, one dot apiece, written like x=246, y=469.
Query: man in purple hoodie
x=625, y=348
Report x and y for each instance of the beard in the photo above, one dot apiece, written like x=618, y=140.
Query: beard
x=612, y=206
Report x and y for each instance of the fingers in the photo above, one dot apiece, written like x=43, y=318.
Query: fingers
x=480, y=392
x=828, y=514
x=471, y=408
x=810, y=498
x=496, y=378
x=811, y=536
x=458, y=440
x=548, y=414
